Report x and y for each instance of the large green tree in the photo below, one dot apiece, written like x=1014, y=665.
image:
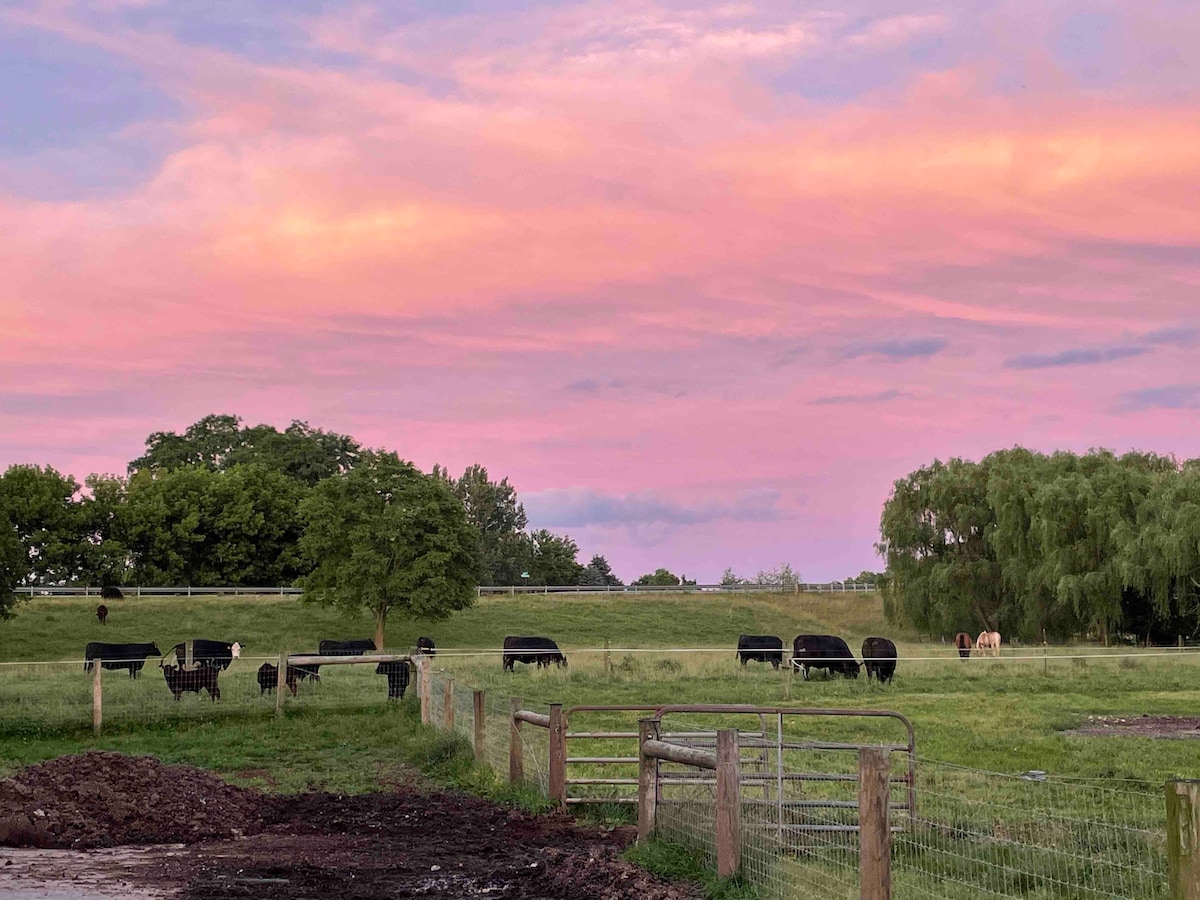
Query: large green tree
x=498, y=518
x=599, y=573
x=386, y=538
x=221, y=442
x=552, y=559
x=39, y=506
x=196, y=526
x=658, y=578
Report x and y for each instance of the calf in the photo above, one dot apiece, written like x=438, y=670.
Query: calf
x=218, y=654
x=879, y=658
x=397, y=677
x=963, y=642
x=425, y=645
x=760, y=648
x=539, y=650
x=181, y=678
x=823, y=651
x=268, y=678
x=102, y=614
x=119, y=656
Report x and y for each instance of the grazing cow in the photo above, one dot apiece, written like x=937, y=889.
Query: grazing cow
x=303, y=672
x=823, y=651
x=109, y=592
x=119, y=656
x=539, y=650
x=425, y=645
x=346, y=648
x=397, y=676
x=218, y=654
x=268, y=678
x=990, y=641
x=963, y=642
x=102, y=614
x=181, y=678
x=760, y=648
x=879, y=658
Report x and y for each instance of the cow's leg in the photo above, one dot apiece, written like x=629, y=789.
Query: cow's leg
x=804, y=668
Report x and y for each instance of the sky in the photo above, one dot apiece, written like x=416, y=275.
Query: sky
x=701, y=279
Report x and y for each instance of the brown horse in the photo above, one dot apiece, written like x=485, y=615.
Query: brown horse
x=963, y=642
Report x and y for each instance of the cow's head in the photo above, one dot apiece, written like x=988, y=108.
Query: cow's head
x=235, y=650
x=154, y=651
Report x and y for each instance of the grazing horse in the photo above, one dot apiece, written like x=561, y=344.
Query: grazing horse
x=988, y=640
x=963, y=642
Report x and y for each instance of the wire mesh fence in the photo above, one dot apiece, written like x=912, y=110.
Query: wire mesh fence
x=1005, y=836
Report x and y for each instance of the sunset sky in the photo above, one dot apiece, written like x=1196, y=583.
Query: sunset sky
x=701, y=279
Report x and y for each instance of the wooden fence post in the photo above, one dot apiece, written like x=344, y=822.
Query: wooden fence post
x=558, y=756
x=729, y=803
x=425, y=691
x=97, y=697
x=1183, y=839
x=189, y=654
x=647, y=780
x=607, y=660
x=516, y=753
x=448, y=705
x=280, y=682
x=479, y=709
x=874, y=831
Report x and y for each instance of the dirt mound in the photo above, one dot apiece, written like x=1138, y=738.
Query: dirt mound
x=1172, y=727
x=99, y=799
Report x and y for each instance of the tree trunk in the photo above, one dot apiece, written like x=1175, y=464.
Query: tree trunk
x=380, y=621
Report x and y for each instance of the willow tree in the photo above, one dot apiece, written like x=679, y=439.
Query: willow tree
x=385, y=538
x=935, y=534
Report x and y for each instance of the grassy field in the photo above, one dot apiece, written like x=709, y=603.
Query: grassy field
x=1006, y=715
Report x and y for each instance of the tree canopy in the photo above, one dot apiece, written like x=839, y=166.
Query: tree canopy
x=387, y=538
x=1055, y=545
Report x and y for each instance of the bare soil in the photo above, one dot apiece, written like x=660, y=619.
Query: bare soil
x=410, y=842
x=1172, y=727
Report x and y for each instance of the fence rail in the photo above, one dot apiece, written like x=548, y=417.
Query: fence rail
x=824, y=587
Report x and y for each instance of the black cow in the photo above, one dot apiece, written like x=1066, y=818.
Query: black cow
x=426, y=646
x=539, y=650
x=397, y=676
x=119, y=656
x=760, y=648
x=268, y=678
x=181, y=678
x=109, y=592
x=217, y=654
x=879, y=658
x=823, y=651
x=346, y=648
x=102, y=614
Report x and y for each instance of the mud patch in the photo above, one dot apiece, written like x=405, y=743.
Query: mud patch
x=97, y=799
x=414, y=843
x=1167, y=727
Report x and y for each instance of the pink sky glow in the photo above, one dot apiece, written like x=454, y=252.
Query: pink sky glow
x=701, y=279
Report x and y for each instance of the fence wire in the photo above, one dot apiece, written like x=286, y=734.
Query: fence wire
x=1005, y=836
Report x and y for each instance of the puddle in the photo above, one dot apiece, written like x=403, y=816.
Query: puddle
x=71, y=875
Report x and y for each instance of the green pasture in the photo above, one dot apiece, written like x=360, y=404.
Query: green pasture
x=1006, y=715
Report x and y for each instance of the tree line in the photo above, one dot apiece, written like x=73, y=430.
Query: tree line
x=1047, y=546
x=228, y=504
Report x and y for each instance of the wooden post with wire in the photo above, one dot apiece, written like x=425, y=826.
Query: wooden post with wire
x=558, y=755
x=97, y=697
x=1183, y=839
x=425, y=690
x=280, y=681
x=479, y=711
x=448, y=705
x=874, y=828
x=647, y=780
x=729, y=803
x=607, y=660
x=516, y=755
